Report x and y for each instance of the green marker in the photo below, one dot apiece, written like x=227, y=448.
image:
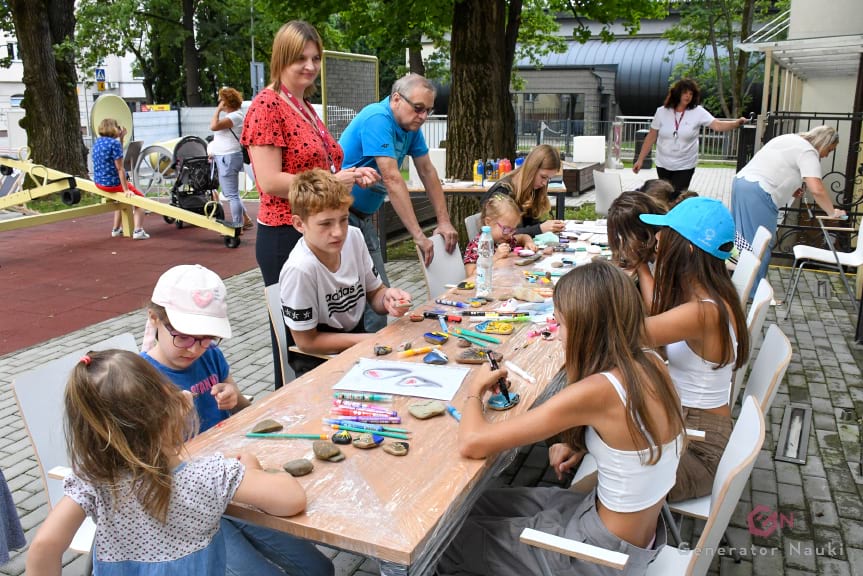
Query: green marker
x=398, y=435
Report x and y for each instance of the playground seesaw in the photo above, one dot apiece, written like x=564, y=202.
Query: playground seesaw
x=45, y=181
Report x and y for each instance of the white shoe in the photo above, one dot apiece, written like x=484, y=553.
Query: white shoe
x=116, y=232
x=140, y=234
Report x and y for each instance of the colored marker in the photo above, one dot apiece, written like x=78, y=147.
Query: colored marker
x=417, y=351
x=514, y=368
x=472, y=340
x=279, y=435
x=454, y=303
x=357, y=412
x=398, y=435
x=364, y=425
x=363, y=396
x=364, y=406
x=453, y=412
x=477, y=335
x=501, y=382
x=443, y=325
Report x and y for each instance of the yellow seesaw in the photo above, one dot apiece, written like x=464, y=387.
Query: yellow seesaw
x=49, y=181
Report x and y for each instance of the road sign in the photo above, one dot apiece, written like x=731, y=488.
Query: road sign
x=100, y=86
x=100, y=74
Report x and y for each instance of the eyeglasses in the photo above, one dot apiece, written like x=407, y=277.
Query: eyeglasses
x=185, y=341
x=507, y=230
x=419, y=109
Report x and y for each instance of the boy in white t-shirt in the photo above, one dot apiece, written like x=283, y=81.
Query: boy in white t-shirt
x=329, y=275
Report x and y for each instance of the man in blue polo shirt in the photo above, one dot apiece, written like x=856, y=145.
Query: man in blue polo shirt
x=380, y=136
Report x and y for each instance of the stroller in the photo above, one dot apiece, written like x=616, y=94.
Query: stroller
x=196, y=181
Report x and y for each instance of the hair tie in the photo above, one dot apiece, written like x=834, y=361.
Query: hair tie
x=85, y=359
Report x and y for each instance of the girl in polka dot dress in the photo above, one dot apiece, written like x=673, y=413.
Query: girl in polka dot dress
x=155, y=513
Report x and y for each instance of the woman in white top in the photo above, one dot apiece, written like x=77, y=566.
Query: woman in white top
x=697, y=315
x=227, y=152
x=675, y=130
x=773, y=176
x=620, y=405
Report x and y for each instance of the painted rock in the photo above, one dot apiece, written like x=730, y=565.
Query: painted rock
x=326, y=450
x=557, y=264
x=494, y=327
x=416, y=317
x=382, y=349
x=498, y=402
x=342, y=437
x=299, y=467
x=426, y=409
x=405, y=346
x=367, y=441
x=435, y=357
x=266, y=426
x=396, y=448
x=462, y=343
x=472, y=356
x=436, y=338
x=526, y=294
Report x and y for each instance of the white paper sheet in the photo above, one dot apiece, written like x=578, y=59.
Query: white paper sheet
x=404, y=378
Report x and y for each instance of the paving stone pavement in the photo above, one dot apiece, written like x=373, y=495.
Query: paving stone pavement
x=821, y=498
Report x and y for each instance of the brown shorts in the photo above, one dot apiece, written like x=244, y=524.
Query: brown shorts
x=701, y=459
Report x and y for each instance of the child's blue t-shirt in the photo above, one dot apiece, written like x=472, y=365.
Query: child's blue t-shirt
x=105, y=151
x=199, y=379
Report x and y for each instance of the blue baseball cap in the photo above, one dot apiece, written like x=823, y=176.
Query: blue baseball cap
x=705, y=222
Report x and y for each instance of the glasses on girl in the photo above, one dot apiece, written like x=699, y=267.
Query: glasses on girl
x=506, y=230
x=185, y=341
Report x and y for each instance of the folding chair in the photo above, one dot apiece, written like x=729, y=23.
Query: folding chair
x=444, y=269
x=39, y=394
x=761, y=241
x=804, y=254
x=608, y=188
x=731, y=477
x=744, y=275
x=471, y=225
x=754, y=324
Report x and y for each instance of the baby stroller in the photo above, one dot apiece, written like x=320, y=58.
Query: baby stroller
x=196, y=181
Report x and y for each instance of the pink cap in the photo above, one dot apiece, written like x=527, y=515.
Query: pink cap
x=195, y=300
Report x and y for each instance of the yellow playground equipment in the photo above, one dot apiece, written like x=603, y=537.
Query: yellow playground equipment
x=43, y=181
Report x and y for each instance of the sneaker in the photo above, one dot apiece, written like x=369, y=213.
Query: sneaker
x=116, y=232
x=140, y=234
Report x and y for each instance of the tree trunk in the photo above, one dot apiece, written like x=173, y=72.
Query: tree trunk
x=481, y=118
x=742, y=69
x=415, y=54
x=190, y=55
x=52, y=120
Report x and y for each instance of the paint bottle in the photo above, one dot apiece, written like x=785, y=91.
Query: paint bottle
x=484, y=263
x=478, y=172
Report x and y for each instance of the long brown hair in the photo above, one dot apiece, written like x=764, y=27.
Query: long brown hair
x=534, y=203
x=604, y=319
x=632, y=241
x=288, y=46
x=681, y=265
x=121, y=416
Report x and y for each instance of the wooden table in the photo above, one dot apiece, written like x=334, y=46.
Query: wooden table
x=403, y=511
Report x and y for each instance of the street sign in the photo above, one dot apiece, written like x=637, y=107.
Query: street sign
x=100, y=86
x=256, y=70
x=100, y=75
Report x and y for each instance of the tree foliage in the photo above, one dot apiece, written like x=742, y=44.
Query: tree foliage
x=711, y=30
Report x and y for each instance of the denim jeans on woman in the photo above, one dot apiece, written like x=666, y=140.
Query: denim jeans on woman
x=257, y=551
x=229, y=167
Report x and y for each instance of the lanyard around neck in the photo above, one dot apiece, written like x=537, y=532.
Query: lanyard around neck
x=676, y=121
x=314, y=120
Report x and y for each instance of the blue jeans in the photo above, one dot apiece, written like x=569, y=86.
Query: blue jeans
x=371, y=319
x=229, y=167
x=256, y=551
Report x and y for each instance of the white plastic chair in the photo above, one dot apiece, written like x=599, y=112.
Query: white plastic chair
x=273, y=297
x=754, y=324
x=608, y=188
x=744, y=275
x=471, y=225
x=731, y=477
x=444, y=268
x=804, y=254
x=761, y=241
x=39, y=394
x=767, y=372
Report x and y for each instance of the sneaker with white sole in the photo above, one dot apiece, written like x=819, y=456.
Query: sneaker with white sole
x=116, y=232
x=140, y=234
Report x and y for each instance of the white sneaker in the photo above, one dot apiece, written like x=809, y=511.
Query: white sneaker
x=140, y=234
x=116, y=232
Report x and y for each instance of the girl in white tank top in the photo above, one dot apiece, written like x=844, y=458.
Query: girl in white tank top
x=620, y=401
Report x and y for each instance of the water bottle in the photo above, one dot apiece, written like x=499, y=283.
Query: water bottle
x=485, y=263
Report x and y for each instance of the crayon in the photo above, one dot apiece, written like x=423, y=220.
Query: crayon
x=451, y=410
x=398, y=435
x=363, y=396
x=279, y=435
x=417, y=351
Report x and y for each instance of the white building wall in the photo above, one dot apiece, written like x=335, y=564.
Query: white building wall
x=815, y=18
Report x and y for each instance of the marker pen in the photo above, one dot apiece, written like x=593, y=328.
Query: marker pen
x=451, y=410
x=363, y=396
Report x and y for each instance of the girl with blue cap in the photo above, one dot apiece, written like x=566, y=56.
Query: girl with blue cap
x=696, y=314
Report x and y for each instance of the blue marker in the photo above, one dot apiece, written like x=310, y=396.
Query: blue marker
x=442, y=321
x=453, y=412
